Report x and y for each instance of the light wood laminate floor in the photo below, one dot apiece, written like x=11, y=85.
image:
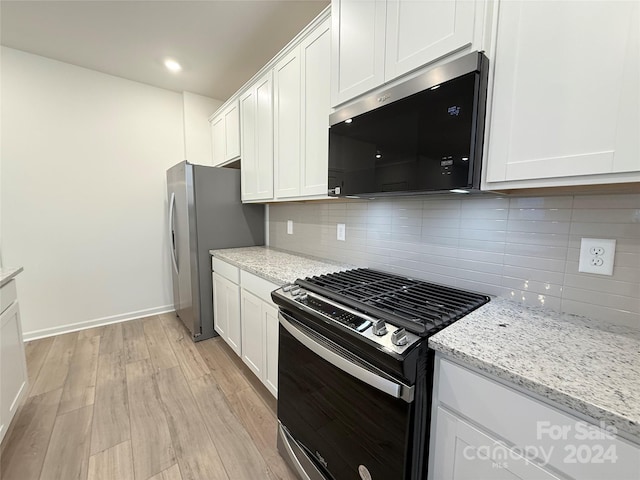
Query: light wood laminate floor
x=139, y=400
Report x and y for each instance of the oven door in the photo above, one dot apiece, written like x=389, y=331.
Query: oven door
x=353, y=420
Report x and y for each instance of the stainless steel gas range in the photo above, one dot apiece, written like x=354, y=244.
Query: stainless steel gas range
x=355, y=373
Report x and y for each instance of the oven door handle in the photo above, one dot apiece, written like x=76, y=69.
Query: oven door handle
x=395, y=389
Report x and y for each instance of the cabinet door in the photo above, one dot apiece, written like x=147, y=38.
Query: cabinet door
x=565, y=100
x=420, y=32
x=252, y=333
x=462, y=452
x=13, y=369
x=287, y=100
x=270, y=323
x=218, y=140
x=220, y=309
x=315, y=57
x=256, y=120
x=358, y=47
x=226, y=309
x=232, y=131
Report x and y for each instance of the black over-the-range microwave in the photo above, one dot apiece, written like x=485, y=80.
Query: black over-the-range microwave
x=422, y=136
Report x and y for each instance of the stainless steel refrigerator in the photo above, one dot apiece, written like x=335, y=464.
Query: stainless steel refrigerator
x=205, y=212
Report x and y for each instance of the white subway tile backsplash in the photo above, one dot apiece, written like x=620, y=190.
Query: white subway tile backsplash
x=529, y=238
x=479, y=266
x=602, y=284
x=525, y=248
x=481, y=245
x=435, y=231
x=541, y=251
x=534, y=226
x=540, y=214
x=440, y=213
x=551, y=264
x=607, y=215
x=606, y=230
x=481, y=256
x=440, y=203
x=485, y=214
x=483, y=224
x=533, y=274
x=541, y=202
x=544, y=288
x=607, y=201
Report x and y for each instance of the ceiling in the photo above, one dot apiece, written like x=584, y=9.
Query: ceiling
x=220, y=44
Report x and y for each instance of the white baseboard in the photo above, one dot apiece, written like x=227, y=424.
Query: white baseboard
x=98, y=322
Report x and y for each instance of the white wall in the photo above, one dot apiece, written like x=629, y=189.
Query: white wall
x=84, y=156
x=197, y=133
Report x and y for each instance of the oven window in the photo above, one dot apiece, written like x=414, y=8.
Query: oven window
x=343, y=423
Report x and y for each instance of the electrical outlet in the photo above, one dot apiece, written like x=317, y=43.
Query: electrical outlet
x=290, y=227
x=341, y=231
x=597, y=255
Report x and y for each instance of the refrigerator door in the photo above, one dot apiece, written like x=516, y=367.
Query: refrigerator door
x=223, y=222
x=205, y=213
x=182, y=240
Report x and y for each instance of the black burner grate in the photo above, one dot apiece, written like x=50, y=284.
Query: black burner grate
x=421, y=307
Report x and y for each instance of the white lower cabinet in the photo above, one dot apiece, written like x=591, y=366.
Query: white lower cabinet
x=466, y=453
x=252, y=333
x=226, y=308
x=13, y=367
x=247, y=319
x=482, y=429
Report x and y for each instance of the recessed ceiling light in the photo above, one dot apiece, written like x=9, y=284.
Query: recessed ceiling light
x=172, y=65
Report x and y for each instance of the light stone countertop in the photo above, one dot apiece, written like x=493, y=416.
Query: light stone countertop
x=587, y=366
x=7, y=274
x=579, y=363
x=277, y=266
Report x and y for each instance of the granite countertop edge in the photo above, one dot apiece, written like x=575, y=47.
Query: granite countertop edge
x=557, y=386
x=255, y=260
x=8, y=274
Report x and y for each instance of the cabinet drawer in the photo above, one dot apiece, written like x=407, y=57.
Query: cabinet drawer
x=260, y=287
x=573, y=446
x=7, y=295
x=226, y=270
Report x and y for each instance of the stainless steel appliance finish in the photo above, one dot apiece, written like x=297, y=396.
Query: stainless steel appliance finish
x=205, y=212
x=429, y=79
x=424, y=136
x=355, y=372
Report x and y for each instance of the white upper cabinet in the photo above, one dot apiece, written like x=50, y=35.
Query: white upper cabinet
x=225, y=134
x=420, y=32
x=256, y=109
x=301, y=117
x=565, y=96
x=358, y=44
x=287, y=107
x=315, y=63
x=377, y=41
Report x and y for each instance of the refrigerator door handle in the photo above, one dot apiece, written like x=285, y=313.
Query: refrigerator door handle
x=172, y=238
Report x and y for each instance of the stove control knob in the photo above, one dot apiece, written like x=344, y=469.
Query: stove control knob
x=303, y=296
x=295, y=291
x=379, y=328
x=287, y=287
x=399, y=337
